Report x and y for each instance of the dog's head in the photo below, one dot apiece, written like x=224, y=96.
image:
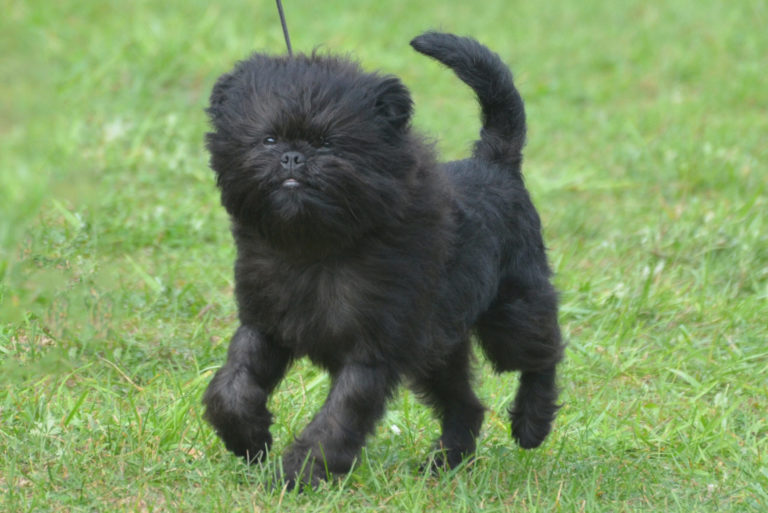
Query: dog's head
x=310, y=148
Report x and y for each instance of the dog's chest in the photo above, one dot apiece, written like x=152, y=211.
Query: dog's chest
x=312, y=308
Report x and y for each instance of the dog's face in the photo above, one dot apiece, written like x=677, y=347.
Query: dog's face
x=310, y=149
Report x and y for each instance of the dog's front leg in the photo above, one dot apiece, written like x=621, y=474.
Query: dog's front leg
x=334, y=438
x=236, y=398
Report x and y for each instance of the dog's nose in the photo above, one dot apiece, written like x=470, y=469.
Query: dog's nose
x=292, y=159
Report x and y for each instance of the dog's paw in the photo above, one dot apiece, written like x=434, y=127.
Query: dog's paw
x=301, y=469
x=243, y=435
x=239, y=416
x=250, y=444
x=530, y=432
x=445, y=458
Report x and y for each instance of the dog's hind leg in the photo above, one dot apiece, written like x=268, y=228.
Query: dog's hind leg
x=520, y=332
x=448, y=390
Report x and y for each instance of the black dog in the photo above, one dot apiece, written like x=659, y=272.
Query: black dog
x=357, y=249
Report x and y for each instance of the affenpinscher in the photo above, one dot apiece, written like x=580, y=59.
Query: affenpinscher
x=357, y=249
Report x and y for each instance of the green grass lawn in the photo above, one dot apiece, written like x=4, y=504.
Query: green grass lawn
x=647, y=159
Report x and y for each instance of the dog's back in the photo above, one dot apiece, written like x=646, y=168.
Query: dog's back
x=514, y=310
x=493, y=205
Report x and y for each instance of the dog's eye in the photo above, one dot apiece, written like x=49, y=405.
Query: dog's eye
x=269, y=140
x=324, y=144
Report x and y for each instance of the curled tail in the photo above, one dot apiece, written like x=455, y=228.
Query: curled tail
x=503, y=134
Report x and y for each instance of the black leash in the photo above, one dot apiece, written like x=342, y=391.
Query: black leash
x=285, y=28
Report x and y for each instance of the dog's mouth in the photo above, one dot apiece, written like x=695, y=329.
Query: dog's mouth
x=290, y=183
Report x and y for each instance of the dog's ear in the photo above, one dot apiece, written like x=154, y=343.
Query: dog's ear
x=393, y=103
x=219, y=94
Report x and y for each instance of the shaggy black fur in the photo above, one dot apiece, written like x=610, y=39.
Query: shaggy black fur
x=357, y=249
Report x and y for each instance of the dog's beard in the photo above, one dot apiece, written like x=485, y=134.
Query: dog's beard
x=329, y=202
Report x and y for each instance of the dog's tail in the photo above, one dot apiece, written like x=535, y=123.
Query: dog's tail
x=503, y=134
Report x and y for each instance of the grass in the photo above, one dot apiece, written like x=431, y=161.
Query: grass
x=647, y=158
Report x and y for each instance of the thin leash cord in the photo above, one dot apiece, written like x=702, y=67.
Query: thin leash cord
x=285, y=27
